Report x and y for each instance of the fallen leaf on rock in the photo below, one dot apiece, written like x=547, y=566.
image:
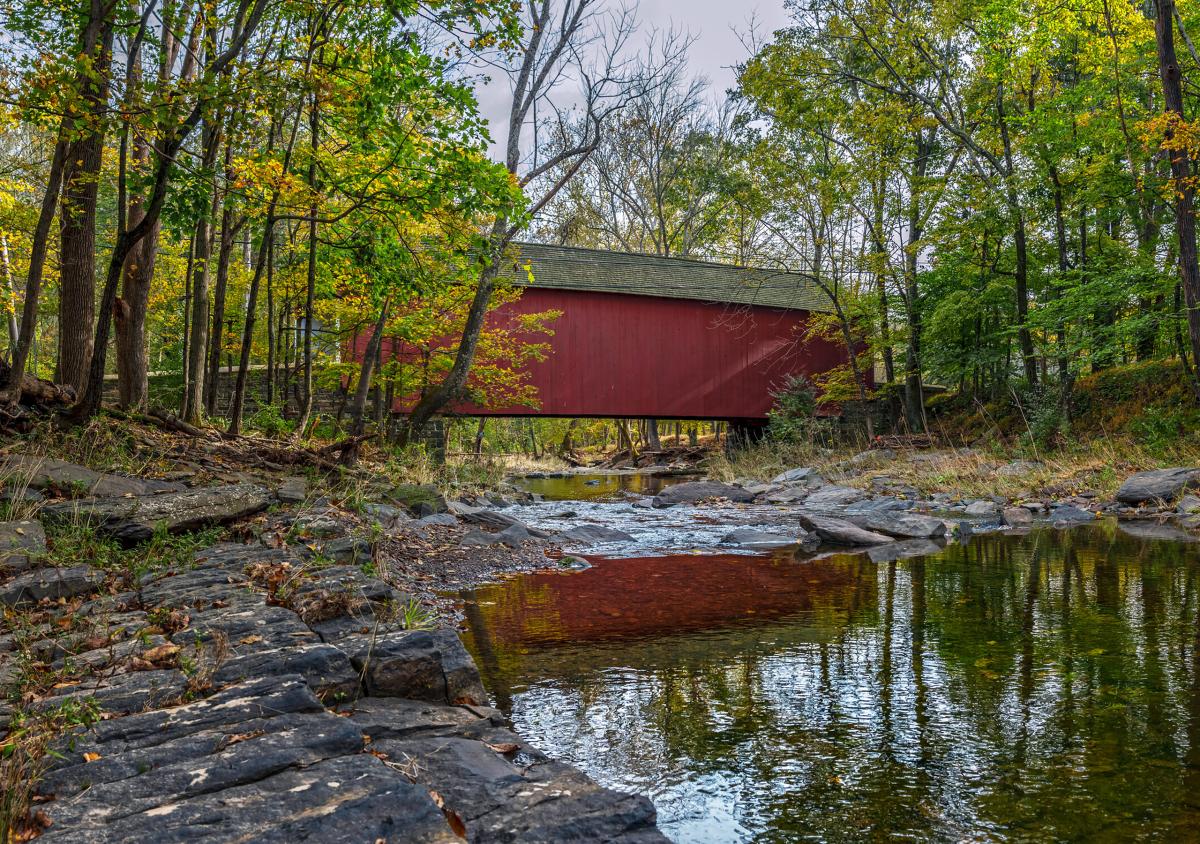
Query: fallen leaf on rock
x=161, y=654
x=504, y=748
x=250, y=640
x=91, y=757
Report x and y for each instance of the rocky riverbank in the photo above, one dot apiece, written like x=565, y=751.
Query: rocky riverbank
x=276, y=688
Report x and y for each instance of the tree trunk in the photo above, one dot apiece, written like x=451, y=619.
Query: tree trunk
x=358, y=411
x=310, y=288
x=217, y=342
x=439, y=396
x=194, y=403
x=1184, y=189
x=1021, y=268
x=130, y=309
x=480, y=430
x=37, y=264
x=81, y=181
x=652, y=440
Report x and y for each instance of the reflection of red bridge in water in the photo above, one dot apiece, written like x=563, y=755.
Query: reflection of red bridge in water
x=643, y=336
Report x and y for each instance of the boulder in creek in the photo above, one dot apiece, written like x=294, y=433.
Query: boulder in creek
x=753, y=538
x=694, y=491
x=133, y=520
x=842, y=532
x=1158, y=485
x=900, y=525
x=1017, y=516
x=1070, y=514
x=594, y=533
x=983, y=509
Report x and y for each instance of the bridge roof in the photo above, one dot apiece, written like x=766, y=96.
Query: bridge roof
x=603, y=271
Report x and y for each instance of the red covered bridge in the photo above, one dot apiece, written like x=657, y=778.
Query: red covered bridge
x=647, y=337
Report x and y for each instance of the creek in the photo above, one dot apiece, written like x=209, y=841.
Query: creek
x=1035, y=686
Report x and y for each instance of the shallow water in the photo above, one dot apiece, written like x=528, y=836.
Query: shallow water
x=599, y=486
x=1039, y=687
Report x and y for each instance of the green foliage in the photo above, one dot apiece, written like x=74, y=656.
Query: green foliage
x=793, y=416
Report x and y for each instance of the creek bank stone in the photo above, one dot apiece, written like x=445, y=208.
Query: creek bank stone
x=21, y=543
x=68, y=479
x=292, y=490
x=841, y=532
x=133, y=520
x=690, y=493
x=417, y=664
x=500, y=521
x=53, y=583
x=805, y=475
x=1157, y=485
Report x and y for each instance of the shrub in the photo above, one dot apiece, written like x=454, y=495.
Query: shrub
x=793, y=415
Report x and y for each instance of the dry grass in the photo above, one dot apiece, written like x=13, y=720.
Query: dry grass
x=1098, y=466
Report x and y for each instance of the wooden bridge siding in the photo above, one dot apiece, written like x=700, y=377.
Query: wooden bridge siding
x=644, y=356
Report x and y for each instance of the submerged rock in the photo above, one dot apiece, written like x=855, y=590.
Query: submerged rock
x=1158, y=485
x=131, y=520
x=694, y=491
x=903, y=550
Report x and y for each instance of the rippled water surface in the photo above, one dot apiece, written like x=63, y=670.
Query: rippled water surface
x=1039, y=687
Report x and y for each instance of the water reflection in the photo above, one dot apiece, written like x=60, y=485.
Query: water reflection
x=1019, y=688
x=599, y=486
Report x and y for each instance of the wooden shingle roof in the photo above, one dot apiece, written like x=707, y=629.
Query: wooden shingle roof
x=602, y=271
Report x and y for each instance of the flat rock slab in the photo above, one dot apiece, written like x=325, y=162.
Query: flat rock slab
x=72, y=480
x=841, y=532
x=132, y=520
x=752, y=538
x=690, y=493
x=834, y=497
x=900, y=525
x=1158, y=485
x=32, y=586
x=346, y=799
x=594, y=533
x=805, y=475
x=21, y=544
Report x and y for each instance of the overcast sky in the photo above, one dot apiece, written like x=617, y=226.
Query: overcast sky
x=716, y=25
